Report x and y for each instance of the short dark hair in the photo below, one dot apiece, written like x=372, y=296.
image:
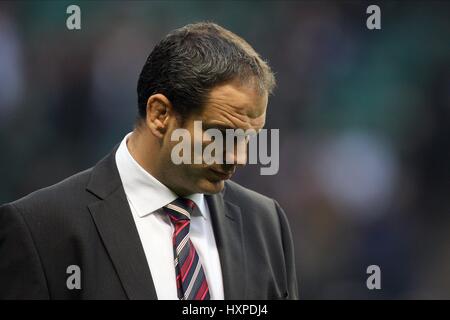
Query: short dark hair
x=190, y=61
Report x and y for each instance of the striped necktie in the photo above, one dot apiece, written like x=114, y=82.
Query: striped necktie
x=190, y=277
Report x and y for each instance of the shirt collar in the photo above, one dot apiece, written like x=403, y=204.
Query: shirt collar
x=144, y=191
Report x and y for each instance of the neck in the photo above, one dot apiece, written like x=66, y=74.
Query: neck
x=139, y=145
x=145, y=150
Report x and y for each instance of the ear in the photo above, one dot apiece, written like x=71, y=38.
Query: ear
x=159, y=111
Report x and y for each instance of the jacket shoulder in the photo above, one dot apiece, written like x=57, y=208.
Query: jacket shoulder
x=241, y=195
x=61, y=195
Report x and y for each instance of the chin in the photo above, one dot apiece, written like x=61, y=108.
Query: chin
x=211, y=187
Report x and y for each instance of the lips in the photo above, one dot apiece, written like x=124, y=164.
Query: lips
x=222, y=175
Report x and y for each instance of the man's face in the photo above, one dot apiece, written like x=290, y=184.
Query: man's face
x=229, y=106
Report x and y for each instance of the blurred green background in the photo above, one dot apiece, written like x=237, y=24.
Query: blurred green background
x=364, y=119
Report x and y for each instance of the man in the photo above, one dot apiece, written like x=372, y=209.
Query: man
x=139, y=226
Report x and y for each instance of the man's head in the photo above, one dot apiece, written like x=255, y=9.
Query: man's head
x=198, y=72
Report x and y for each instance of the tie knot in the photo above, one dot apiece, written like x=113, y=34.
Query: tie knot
x=180, y=209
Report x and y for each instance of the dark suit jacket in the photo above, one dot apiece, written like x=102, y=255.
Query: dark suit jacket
x=86, y=221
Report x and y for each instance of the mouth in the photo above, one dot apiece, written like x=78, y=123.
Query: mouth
x=222, y=175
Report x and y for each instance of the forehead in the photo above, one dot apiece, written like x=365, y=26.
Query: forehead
x=236, y=105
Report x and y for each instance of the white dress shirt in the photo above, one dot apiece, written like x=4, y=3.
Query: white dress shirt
x=145, y=196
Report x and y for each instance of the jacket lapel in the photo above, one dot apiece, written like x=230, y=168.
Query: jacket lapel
x=115, y=224
x=227, y=224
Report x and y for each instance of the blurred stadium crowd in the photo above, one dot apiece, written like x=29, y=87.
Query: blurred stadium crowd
x=364, y=119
